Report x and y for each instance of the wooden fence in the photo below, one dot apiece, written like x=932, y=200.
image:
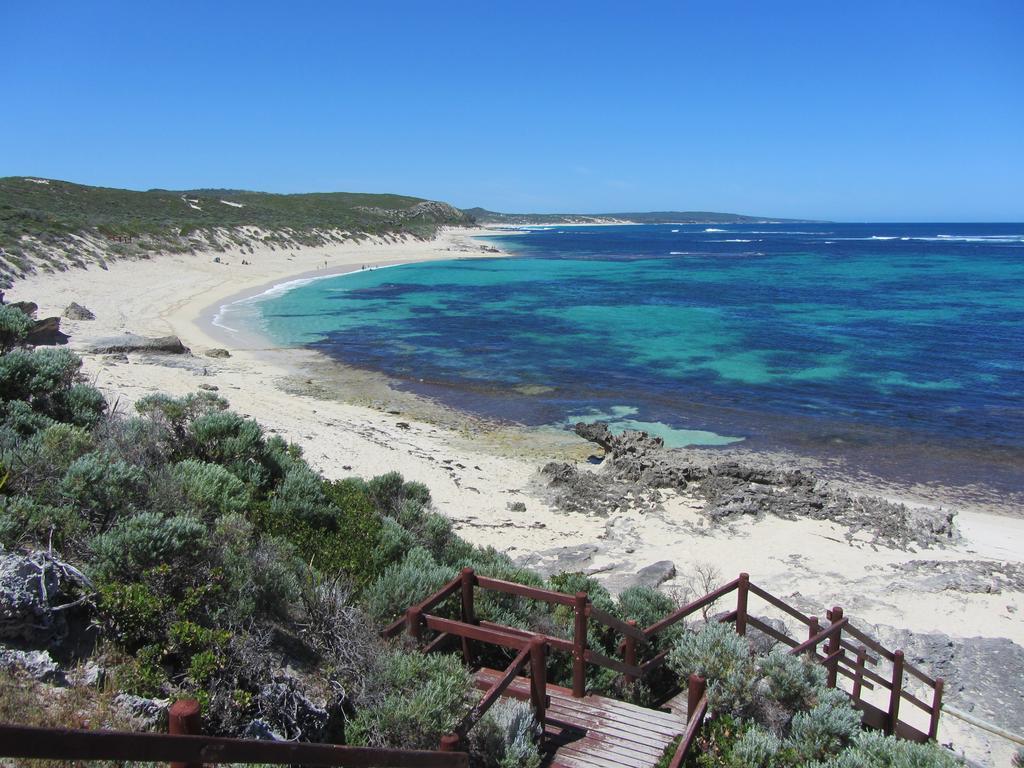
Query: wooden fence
x=840, y=647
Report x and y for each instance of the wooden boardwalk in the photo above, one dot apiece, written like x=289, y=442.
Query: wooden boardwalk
x=595, y=732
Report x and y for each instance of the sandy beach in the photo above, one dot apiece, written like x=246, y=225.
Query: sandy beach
x=349, y=422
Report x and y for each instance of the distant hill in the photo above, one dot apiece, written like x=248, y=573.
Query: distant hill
x=483, y=216
x=50, y=224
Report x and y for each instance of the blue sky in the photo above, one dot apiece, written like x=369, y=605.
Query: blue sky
x=851, y=111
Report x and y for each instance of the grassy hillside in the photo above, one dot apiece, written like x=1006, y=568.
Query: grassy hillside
x=51, y=224
x=484, y=216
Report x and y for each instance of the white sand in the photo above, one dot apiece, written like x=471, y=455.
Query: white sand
x=808, y=562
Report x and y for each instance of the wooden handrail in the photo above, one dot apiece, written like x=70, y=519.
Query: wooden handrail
x=815, y=640
x=521, y=590
x=691, y=607
x=617, y=624
x=25, y=741
x=493, y=636
x=396, y=626
x=494, y=692
x=768, y=597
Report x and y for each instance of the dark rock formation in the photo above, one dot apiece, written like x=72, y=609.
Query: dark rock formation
x=76, y=311
x=129, y=342
x=46, y=333
x=27, y=307
x=639, y=465
x=217, y=352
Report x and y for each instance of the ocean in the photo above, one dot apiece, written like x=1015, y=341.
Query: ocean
x=896, y=349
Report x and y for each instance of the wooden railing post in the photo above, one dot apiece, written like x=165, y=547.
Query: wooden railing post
x=741, y=604
x=414, y=622
x=185, y=719
x=539, y=680
x=894, y=694
x=579, y=647
x=695, y=688
x=630, y=654
x=833, y=646
x=813, y=628
x=449, y=743
x=468, y=613
x=933, y=726
x=858, y=673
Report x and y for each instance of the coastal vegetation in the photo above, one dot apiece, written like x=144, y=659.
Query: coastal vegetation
x=177, y=549
x=53, y=224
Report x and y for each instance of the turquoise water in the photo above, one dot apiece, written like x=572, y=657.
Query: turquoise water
x=894, y=341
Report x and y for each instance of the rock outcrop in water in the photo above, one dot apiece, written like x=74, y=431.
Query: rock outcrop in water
x=638, y=465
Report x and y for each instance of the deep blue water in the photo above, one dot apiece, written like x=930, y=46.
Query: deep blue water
x=895, y=346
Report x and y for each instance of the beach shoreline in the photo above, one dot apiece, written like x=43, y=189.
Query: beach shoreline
x=484, y=476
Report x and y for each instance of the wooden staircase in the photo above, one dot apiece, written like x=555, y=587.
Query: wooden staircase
x=594, y=731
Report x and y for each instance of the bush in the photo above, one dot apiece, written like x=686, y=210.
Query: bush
x=140, y=543
x=226, y=438
x=405, y=583
x=262, y=574
x=871, y=749
x=44, y=380
x=104, y=488
x=506, y=737
x=130, y=614
x=826, y=729
x=756, y=748
x=723, y=658
x=793, y=681
x=176, y=413
x=24, y=520
x=14, y=327
x=212, y=490
x=425, y=697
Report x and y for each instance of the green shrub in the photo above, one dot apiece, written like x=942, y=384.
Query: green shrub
x=212, y=490
x=872, y=749
x=644, y=605
x=793, y=681
x=1018, y=759
x=506, y=737
x=130, y=614
x=44, y=380
x=393, y=544
x=723, y=658
x=386, y=492
x=405, y=583
x=139, y=543
x=103, y=487
x=143, y=674
x=426, y=696
x=24, y=520
x=826, y=729
x=224, y=437
x=176, y=413
x=14, y=327
x=262, y=574
x=301, y=498
x=756, y=748
x=82, y=405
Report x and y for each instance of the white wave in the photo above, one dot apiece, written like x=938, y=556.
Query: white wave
x=675, y=230
x=712, y=229
x=736, y=241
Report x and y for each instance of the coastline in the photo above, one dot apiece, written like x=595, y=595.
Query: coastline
x=351, y=422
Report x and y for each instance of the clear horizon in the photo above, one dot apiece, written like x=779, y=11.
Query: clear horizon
x=871, y=113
